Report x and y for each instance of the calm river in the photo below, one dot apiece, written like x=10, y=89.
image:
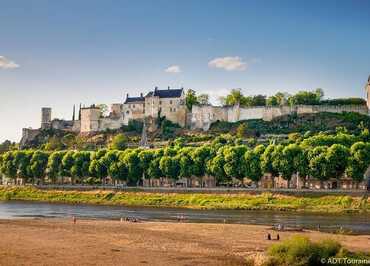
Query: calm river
x=357, y=223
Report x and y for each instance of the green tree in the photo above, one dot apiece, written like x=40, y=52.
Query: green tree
x=131, y=159
x=146, y=157
x=235, y=161
x=215, y=167
x=81, y=164
x=9, y=168
x=337, y=158
x=358, y=162
x=54, y=144
x=272, y=101
x=154, y=170
x=267, y=160
x=293, y=160
x=318, y=164
x=118, y=170
x=67, y=163
x=22, y=160
x=235, y=97
x=200, y=156
x=253, y=169
x=203, y=99
x=55, y=166
x=170, y=167
x=97, y=168
x=39, y=162
x=186, y=162
x=241, y=130
x=190, y=99
x=119, y=142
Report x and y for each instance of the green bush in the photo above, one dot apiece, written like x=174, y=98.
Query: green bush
x=301, y=251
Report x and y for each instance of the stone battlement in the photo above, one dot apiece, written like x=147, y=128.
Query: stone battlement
x=202, y=116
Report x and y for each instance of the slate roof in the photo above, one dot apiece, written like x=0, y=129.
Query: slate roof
x=134, y=99
x=169, y=93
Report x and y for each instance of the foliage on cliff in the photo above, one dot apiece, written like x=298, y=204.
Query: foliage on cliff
x=297, y=123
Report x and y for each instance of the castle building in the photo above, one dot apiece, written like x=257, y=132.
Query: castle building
x=170, y=103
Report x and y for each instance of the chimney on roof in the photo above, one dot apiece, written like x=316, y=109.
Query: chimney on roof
x=141, y=95
x=168, y=87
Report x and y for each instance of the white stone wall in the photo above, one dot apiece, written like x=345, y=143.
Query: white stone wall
x=252, y=113
x=110, y=123
x=203, y=116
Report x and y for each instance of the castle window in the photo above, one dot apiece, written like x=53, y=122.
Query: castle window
x=174, y=109
x=170, y=101
x=127, y=112
x=160, y=102
x=133, y=106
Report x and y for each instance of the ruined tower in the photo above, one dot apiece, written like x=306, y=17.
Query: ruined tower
x=45, y=117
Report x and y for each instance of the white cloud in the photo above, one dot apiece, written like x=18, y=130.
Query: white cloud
x=231, y=63
x=6, y=63
x=173, y=69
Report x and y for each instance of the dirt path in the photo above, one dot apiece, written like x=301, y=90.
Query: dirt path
x=92, y=242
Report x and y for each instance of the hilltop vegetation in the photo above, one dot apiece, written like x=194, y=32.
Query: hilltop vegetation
x=313, y=97
x=313, y=123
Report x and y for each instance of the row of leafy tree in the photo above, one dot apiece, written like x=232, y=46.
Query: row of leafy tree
x=236, y=96
x=321, y=156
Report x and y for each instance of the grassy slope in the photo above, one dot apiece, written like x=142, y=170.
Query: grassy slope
x=266, y=201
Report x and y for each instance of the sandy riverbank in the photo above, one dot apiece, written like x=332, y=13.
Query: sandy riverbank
x=98, y=242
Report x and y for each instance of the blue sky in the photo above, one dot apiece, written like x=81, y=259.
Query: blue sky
x=60, y=53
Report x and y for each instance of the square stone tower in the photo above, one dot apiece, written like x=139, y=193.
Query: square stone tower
x=90, y=117
x=45, y=117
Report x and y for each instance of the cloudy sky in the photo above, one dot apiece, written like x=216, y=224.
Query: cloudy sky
x=60, y=53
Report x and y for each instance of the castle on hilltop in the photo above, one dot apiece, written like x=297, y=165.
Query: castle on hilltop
x=170, y=103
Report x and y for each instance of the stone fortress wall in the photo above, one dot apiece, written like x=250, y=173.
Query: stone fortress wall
x=202, y=116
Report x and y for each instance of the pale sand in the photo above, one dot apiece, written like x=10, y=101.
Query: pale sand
x=102, y=242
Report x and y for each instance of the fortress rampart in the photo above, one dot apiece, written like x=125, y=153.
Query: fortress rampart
x=202, y=116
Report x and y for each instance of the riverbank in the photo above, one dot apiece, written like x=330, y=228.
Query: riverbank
x=102, y=242
x=245, y=201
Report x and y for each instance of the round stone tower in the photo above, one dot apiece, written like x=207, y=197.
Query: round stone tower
x=45, y=117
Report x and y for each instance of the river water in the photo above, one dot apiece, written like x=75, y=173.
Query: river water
x=356, y=223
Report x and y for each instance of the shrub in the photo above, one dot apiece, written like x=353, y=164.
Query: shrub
x=299, y=251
